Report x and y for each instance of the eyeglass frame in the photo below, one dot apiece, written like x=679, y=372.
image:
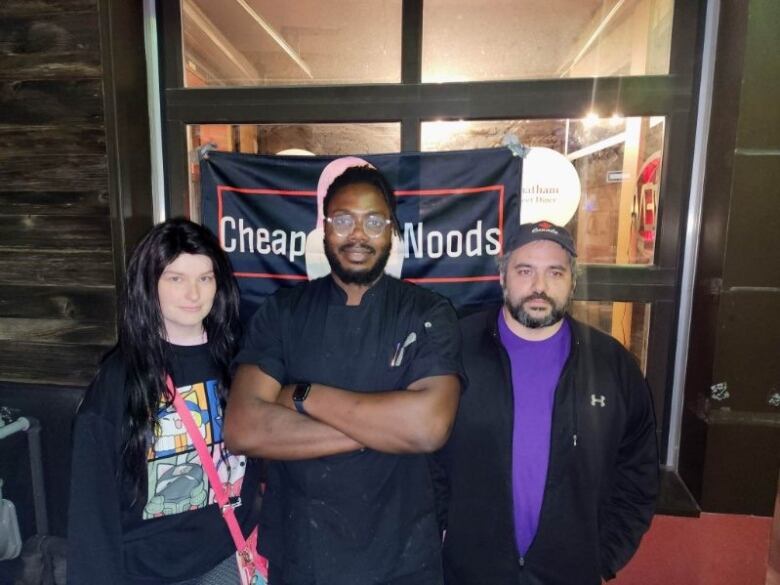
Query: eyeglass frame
x=387, y=221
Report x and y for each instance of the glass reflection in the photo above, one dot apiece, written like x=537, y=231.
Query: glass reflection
x=288, y=139
x=462, y=41
x=299, y=42
x=618, y=161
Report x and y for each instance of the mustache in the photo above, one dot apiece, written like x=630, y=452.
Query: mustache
x=357, y=248
x=537, y=296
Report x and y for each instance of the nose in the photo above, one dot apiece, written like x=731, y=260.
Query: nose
x=539, y=283
x=358, y=233
x=193, y=291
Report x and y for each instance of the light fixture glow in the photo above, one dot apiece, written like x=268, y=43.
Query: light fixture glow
x=442, y=131
x=590, y=120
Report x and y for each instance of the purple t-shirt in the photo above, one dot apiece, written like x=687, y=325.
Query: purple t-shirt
x=536, y=368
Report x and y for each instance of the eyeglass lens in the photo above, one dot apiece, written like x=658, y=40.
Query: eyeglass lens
x=373, y=224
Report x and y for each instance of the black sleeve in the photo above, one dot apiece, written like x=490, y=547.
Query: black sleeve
x=628, y=513
x=262, y=343
x=94, y=519
x=438, y=352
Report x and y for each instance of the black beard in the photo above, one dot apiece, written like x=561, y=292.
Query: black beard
x=359, y=277
x=524, y=318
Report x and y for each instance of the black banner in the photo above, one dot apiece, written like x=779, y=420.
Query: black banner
x=452, y=207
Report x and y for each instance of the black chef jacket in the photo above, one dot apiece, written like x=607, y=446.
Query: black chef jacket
x=361, y=517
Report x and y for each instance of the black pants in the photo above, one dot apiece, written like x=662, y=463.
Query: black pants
x=425, y=577
x=225, y=573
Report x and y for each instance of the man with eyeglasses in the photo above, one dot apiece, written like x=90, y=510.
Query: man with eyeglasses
x=345, y=383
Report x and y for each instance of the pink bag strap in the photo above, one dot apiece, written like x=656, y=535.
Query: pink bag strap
x=207, y=463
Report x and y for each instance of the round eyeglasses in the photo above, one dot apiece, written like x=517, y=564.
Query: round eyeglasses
x=344, y=224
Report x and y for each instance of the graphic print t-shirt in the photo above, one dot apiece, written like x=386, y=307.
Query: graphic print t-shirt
x=176, y=480
x=171, y=534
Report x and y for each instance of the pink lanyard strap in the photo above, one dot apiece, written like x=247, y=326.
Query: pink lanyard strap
x=211, y=471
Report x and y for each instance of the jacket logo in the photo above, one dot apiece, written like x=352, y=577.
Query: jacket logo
x=601, y=400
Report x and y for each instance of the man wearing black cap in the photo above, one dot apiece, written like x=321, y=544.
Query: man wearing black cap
x=552, y=467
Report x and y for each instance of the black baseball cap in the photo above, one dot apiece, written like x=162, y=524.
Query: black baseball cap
x=541, y=230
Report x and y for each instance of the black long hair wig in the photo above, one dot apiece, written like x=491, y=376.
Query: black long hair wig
x=142, y=332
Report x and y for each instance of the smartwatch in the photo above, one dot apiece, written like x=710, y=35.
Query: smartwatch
x=299, y=395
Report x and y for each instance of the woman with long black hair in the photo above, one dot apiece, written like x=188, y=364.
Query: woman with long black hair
x=142, y=509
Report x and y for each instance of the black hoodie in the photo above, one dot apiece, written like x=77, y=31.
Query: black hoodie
x=602, y=479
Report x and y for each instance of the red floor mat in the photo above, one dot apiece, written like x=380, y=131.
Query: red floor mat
x=714, y=549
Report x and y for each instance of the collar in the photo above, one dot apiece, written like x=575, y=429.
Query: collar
x=338, y=296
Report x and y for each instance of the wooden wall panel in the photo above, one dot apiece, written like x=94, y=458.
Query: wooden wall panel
x=56, y=232
x=49, y=363
x=87, y=269
x=72, y=114
x=31, y=8
x=54, y=203
x=57, y=302
x=40, y=67
x=51, y=172
x=70, y=331
x=51, y=102
x=63, y=139
x=74, y=173
x=53, y=46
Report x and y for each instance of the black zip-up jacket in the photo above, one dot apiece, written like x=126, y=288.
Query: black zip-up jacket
x=602, y=479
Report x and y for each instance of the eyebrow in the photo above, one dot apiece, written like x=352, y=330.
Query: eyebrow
x=350, y=212
x=551, y=267
x=170, y=271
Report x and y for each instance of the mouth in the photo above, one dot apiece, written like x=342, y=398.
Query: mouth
x=357, y=253
x=191, y=309
x=537, y=304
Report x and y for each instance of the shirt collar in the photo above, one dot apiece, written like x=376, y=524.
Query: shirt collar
x=339, y=297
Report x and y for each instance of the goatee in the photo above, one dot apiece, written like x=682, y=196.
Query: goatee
x=524, y=318
x=359, y=277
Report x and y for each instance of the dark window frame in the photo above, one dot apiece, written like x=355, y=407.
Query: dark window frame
x=411, y=102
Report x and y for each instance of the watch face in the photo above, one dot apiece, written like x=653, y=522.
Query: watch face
x=299, y=395
x=301, y=392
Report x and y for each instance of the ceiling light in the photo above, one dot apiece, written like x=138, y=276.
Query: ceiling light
x=590, y=120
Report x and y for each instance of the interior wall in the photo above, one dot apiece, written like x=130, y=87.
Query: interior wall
x=75, y=193
x=57, y=299
x=729, y=452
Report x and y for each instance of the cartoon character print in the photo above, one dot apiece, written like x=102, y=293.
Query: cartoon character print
x=230, y=468
x=177, y=482
x=171, y=437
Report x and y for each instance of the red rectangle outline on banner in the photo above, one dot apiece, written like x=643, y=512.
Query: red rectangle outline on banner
x=284, y=193
x=461, y=191
x=401, y=193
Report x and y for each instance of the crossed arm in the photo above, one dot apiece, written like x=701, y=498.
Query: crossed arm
x=260, y=420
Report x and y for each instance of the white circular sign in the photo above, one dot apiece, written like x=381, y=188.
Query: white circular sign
x=551, y=188
x=294, y=152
